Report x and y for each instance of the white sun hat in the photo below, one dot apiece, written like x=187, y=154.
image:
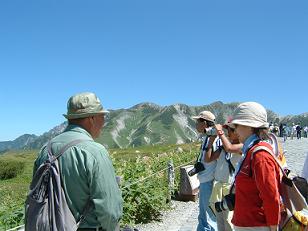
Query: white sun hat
x=250, y=114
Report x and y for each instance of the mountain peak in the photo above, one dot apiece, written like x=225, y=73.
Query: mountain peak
x=146, y=105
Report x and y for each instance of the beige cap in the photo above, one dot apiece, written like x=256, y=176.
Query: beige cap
x=206, y=115
x=250, y=114
x=84, y=105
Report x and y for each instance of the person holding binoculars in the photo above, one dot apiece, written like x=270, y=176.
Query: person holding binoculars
x=205, y=122
x=227, y=155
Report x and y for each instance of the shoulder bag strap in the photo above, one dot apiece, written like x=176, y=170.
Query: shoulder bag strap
x=293, y=199
x=63, y=149
x=53, y=157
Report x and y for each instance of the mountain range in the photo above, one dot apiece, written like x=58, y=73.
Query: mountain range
x=148, y=124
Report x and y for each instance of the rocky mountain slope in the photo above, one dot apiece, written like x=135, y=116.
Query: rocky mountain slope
x=148, y=124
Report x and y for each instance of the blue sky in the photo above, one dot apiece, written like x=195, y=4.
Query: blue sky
x=161, y=51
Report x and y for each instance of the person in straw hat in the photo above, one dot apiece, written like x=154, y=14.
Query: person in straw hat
x=204, y=124
x=257, y=198
x=86, y=170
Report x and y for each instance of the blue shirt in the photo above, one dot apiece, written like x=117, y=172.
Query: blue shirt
x=249, y=142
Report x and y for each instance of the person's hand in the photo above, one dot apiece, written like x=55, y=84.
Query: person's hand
x=218, y=127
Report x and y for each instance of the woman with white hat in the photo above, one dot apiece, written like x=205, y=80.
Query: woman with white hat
x=257, y=198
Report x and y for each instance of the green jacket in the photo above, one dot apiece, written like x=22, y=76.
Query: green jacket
x=87, y=174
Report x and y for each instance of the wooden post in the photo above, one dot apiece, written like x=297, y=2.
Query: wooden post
x=171, y=177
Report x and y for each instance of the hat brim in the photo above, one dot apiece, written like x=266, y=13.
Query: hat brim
x=249, y=123
x=196, y=117
x=228, y=125
x=84, y=115
x=200, y=117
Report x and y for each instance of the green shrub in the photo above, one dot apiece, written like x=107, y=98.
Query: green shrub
x=10, y=168
x=144, y=201
x=12, y=217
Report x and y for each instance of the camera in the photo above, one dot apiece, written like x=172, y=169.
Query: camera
x=211, y=131
x=198, y=167
x=227, y=203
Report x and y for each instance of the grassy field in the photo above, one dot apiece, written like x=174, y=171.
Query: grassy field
x=142, y=202
x=13, y=191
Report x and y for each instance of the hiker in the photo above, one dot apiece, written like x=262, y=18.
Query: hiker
x=226, y=162
x=298, y=131
x=86, y=169
x=281, y=130
x=305, y=131
x=257, y=197
x=293, y=130
x=285, y=132
x=206, y=219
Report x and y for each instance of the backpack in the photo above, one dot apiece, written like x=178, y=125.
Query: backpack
x=277, y=150
x=302, y=185
x=293, y=202
x=46, y=206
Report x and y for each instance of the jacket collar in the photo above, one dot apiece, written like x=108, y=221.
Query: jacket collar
x=76, y=128
x=249, y=142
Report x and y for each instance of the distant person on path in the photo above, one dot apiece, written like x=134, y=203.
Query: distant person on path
x=86, y=169
x=305, y=131
x=257, y=200
x=285, y=132
x=298, y=131
x=281, y=130
x=293, y=130
x=206, y=219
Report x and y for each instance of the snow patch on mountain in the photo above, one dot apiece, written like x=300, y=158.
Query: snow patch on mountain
x=129, y=137
x=179, y=139
x=120, y=125
x=147, y=139
x=148, y=127
x=181, y=119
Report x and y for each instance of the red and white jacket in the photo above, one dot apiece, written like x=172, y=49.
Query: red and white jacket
x=257, y=198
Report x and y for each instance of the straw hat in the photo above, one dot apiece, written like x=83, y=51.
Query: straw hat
x=206, y=115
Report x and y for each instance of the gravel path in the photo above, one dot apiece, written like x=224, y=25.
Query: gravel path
x=184, y=215
x=296, y=151
x=182, y=218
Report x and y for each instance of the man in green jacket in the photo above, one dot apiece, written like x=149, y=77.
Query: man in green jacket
x=87, y=172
